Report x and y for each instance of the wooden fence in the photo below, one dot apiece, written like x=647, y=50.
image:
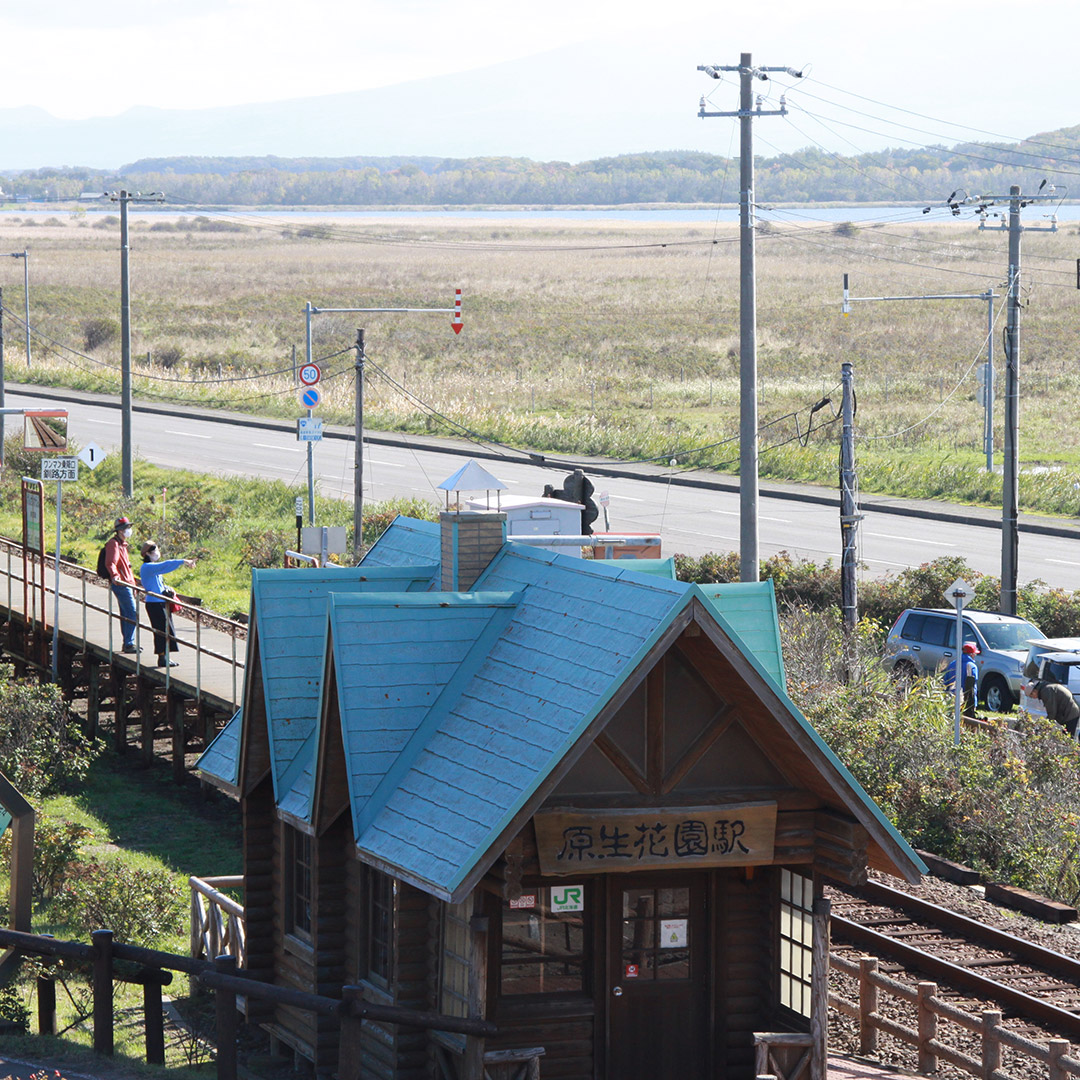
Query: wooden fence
x=925, y=1036
x=109, y=961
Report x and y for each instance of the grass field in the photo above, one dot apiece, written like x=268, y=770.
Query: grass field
x=617, y=338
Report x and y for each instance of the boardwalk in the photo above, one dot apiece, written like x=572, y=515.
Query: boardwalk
x=209, y=676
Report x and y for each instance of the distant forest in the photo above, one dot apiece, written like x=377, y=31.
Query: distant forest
x=928, y=174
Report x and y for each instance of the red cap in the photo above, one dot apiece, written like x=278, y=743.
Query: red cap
x=971, y=648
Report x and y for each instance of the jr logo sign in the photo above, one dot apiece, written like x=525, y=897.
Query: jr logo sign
x=568, y=898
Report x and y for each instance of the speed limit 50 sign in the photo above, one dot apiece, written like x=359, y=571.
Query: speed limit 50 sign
x=310, y=374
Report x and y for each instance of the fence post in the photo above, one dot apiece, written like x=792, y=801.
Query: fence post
x=155, y=1023
x=350, y=1047
x=102, y=941
x=927, y=1028
x=174, y=714
x=225, y=1010
x=46, y=995
x=868, y=1005
x=1058, y=1049
x=93, y=697
x=819, y=988
x=991, y=1044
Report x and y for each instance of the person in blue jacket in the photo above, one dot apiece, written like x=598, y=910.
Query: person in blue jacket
x=158, y=607
x=970, y=676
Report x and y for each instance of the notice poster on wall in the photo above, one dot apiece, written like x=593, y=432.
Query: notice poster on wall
x=673, y=933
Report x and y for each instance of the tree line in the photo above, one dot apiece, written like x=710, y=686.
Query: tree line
x=925, y=174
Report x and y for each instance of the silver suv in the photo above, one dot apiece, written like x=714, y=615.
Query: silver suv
x=923, y=640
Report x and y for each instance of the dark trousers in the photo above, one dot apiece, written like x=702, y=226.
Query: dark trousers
x=164, y=633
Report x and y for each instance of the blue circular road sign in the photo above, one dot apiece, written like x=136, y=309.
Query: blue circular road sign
x=310, y=398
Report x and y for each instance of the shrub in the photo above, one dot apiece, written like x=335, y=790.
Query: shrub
x=100, y=331
x=264, y=547
x=13, y=1008
x=57, y=845
x=137, y=905
x=1003, y=801
x=197, y=514
x=382, y=514
x=41, y=746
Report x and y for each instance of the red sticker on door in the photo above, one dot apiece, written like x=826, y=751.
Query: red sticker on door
x=631, y=971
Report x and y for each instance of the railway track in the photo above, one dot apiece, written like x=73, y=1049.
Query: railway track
x=1029, y=982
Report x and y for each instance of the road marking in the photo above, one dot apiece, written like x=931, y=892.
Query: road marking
x=270, y=446
x=189, y=434
x=388, y=464
x=1064, y=562
x=95, y=420
x=908, y=539
x=627, y=498
x=761, y=517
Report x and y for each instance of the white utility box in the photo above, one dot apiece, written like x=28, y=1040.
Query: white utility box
x=539, y=516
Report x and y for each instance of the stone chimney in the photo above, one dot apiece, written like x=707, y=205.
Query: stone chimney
x=470, y=540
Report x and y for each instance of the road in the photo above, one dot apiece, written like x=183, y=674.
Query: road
x=693, y=520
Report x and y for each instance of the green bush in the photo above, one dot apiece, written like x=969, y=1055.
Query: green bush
x=13, y=1008
x=1006, y=802
x=139, y=906
x=41, y=746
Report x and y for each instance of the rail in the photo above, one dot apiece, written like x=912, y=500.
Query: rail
x=925, y=1036
x=207, y=625
x=108, y=960
x=217, y=920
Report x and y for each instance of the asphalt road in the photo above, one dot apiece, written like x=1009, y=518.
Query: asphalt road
x=802, y=520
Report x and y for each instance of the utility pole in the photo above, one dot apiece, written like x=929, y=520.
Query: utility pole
x=2, y=384
x=358, y=452
x=849, y=507
x=749, y=565
x=1010, y=486
x=25, y=256
x=126, y=472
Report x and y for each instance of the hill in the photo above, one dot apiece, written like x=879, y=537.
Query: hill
x=926, y=174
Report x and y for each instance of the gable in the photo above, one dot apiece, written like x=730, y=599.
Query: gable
x=676, y=737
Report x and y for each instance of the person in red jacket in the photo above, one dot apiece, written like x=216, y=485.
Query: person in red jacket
x=122, y=581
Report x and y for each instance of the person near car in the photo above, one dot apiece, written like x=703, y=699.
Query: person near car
x=970, y=676
x=1058, y=701
x=122, y=581
x=157, y=599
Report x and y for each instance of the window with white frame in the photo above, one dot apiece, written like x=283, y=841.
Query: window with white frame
x=796, y=940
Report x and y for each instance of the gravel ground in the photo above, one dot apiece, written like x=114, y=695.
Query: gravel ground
x=843, y=1032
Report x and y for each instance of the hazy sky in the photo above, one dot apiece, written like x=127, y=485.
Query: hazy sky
x=988, y=67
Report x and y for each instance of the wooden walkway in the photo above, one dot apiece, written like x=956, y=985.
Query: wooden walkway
x=209, y=677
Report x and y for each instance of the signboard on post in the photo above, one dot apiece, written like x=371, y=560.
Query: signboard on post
x=310, y=398
x=308, y=429
x=60, y=468
x=310, y=374
x=33, y=510
x=91, y=455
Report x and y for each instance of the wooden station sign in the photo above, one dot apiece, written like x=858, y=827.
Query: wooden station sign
x=687, y=837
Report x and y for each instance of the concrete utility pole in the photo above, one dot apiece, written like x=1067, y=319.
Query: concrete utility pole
x=749, y=566
x=1010, y=488
x=1010, y=485
x=358, y=452
x=849, y=506
x=2, y=383
x=126, y=472
x=25, y=256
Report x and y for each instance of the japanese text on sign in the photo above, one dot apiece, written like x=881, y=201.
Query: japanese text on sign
x=602, y=841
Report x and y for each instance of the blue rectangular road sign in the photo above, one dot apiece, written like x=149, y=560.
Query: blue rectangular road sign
x=308, y=429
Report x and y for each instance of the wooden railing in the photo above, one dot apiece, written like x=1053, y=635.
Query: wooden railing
x=925, y=1036
x=85, y=593
x=153, y=969
x=217, y=920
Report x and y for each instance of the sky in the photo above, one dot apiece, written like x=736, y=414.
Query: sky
x=993, y=68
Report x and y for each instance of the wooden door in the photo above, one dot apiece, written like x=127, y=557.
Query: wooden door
x=658, y=979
